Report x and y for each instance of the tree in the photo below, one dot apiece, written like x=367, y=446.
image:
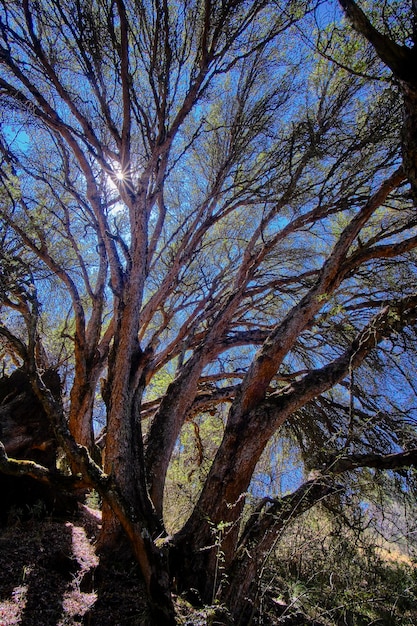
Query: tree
x=207, y=220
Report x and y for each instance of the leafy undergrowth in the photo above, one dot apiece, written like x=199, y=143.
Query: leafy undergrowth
x=333, y=575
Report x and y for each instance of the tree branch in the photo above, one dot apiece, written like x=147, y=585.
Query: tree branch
x=396, y=461
x=23, y=467
x=391, y=319
x=396, y=57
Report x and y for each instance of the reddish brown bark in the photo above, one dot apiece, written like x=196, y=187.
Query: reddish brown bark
x=245, y=438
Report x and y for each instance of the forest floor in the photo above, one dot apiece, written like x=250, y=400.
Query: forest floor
x=50, y=576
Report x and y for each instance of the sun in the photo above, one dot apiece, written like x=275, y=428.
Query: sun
x=115, y=177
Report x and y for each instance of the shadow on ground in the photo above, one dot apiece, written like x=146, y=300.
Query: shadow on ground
x=49, y=576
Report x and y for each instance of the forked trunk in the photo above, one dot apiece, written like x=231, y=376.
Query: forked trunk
x=205, y=547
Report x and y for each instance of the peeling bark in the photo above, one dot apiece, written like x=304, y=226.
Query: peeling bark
x=25, y=430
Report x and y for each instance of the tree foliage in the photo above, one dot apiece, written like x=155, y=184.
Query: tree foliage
x=208, y=230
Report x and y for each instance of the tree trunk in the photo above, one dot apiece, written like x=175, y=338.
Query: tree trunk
x=208, y=540
x=127, y=509
x=152, y=561
x=132, y=527
x=80, y=418
x=25, y=429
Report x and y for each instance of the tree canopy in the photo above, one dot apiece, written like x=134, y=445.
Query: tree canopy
x=208, y=230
